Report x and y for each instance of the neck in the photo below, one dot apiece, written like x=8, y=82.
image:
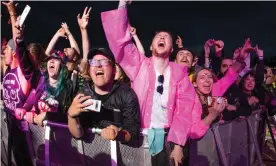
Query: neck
x=53, y=82
x=202, y=97
x=70, y=66
x=104, y=89
x=160, y=64
x=14, y=63
x=247, y=92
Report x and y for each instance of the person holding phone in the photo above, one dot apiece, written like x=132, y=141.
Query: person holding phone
x=118, y=116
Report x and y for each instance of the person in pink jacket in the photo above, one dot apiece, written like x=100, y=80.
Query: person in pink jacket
x=166, y=96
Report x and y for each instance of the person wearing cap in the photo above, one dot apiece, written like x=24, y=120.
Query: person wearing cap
x=53, y=95
x=16, y=87
x=113, y=95
x=166, y=96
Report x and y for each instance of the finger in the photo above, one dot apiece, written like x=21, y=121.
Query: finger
x=84, y=12
x=78, y=96
x=83, y=98
x=83, y=105
x=175, y=162
x=5, y=3
x=78, y=16
x=89, y=10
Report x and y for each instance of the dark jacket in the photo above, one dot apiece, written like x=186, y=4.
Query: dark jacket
x=236, y=97
x=121, y=97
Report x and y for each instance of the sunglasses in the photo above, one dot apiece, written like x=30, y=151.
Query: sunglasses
x=160, y=88
x=97, y=63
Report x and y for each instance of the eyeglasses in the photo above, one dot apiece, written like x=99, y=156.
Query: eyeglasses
x=97, y=63
x=160, y=86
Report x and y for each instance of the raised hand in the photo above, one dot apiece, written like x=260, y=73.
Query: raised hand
x=179, y=42
x=246, y=49
x=237, y=53
x=61, y=32
x=18, y=32
x=66, y=28
x=219, y=44
x=123, y=3
x=209, y=43
x=259, y=52
x=10, y=6
x=84, y=20
x=132, y=31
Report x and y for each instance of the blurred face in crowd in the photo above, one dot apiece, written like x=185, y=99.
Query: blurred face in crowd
x=101, y=70
x=204, y=82
x=69, y=53
x=36, y=53
x=161, y=45
x=9, y=55
x=185, y=57
x=118, y=72
x=249, y=83
x=225, y=64
x=53, y=67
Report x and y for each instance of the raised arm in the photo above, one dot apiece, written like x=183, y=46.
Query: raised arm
x=117, y=28
x=13, y=16
x=60, y=33
x=71, y=38
x=137, y=41
x=83, y=23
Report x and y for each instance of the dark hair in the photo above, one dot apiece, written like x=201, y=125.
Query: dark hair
x=173, y=57
x=35, y=49
x=250, y=73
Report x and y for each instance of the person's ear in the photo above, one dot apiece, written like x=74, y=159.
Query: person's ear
x=194, y=84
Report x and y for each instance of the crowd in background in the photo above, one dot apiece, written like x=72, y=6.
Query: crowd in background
x=174, y=94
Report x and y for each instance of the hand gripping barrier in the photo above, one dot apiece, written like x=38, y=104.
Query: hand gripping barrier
x=231, y=143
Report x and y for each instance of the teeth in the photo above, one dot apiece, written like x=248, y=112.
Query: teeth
x=99, y=72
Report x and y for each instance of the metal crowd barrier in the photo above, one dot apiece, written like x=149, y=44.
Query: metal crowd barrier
x=231, y=143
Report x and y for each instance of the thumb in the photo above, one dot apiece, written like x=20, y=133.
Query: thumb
x=78, y=16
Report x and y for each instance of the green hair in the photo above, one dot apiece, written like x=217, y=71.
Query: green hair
x=62, y=78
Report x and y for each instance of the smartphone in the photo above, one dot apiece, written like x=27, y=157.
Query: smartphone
x=212, y=99
x=24, y=15
x=95, y=106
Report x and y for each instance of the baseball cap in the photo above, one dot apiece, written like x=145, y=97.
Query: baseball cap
x=56, y=55
x=103, y=51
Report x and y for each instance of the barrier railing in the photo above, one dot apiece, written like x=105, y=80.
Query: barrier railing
x=231, y=143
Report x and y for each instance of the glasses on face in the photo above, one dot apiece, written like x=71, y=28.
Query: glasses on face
x=160, y=88
x=97, y=63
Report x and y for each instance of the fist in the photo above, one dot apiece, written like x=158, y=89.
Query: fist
x=29, y=117
x=132, y=31
x=110, y=133
x=19, y=113
x=43, y=107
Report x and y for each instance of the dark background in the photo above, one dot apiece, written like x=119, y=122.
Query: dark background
x=195, y=22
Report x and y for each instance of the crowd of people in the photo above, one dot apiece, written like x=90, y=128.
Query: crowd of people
x=170, y=96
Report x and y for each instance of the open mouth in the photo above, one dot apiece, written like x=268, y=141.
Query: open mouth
x=161, y=44
x=99, y=73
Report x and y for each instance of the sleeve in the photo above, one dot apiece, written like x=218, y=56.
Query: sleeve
x=221, y=86
x=25, y=63
x=186, y=108
x=116, y=27
x=131, y=115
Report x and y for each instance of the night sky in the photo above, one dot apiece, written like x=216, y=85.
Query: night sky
x=195, y=22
